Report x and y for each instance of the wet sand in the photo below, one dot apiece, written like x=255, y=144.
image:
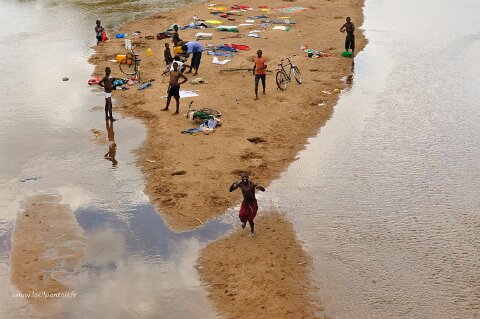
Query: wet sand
x=188, y=176
x=254, y=278
x=48, y=246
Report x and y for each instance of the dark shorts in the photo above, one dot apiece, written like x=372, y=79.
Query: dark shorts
x=350, y=42
x=174, y=91
x=196, y=57
x=259, y=77
x=99, y=38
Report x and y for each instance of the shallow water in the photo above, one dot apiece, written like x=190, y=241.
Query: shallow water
x=137, y=267
x=386, y=197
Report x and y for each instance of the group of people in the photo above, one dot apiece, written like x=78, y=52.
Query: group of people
x=249, y=207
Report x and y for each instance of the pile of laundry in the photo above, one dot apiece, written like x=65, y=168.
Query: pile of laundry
x=315, y=54
x=226, y=49
x=208, y=125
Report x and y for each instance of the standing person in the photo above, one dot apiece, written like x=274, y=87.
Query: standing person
x=167, y=54
x=260, y=71
x=175, y=36
x=98, y=31
x=249, y=207
x=106, y=83
x=350, y=39
x=174, y=87
x=196, y=49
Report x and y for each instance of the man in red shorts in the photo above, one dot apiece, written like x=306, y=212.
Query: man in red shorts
x=249, y=207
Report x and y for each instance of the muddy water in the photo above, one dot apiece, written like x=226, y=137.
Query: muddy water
x=387, y=195
x=136, y=267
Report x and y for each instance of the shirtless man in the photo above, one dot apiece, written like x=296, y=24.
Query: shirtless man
x=106, y=83
x=350, y=39
x=174, y=87
x=249, y=207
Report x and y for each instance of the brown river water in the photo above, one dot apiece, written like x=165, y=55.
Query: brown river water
x=386, y=197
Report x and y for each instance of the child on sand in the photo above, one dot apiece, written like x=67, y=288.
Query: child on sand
x=175, y=36
x=167, y=54
x=260, y=71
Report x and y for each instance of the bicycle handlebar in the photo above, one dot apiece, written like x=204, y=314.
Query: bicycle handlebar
x=287, y=58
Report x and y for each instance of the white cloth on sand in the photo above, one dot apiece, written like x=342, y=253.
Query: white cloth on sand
x=184, y=94
x=221, y=62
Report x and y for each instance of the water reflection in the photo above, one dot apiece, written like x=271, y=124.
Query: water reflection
x=112, y=148
x=134, y=262
x=386, y=197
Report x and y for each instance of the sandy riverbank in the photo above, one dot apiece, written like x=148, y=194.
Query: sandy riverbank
x=279, y=122
x=254, y=278
x=48, y=246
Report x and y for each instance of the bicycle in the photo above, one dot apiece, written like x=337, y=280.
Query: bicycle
x=202, y=113
x=283, y=77
x=131, y=64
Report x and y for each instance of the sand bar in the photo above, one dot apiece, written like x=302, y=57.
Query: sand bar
x=261, y=137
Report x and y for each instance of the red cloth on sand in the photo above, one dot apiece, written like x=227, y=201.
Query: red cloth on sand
x=248, y=211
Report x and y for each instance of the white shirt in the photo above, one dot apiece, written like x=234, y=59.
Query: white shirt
x=179, y=65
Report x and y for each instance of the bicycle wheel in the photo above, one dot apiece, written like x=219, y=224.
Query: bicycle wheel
x=282, y=80
x=297, y=75
x=127, y=67
x=211, y=112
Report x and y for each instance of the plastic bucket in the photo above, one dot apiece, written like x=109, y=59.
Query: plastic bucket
x=123, y=57
x=177, y=50
x=347, y=54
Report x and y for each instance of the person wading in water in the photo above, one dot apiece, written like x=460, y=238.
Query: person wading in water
x=106, y=83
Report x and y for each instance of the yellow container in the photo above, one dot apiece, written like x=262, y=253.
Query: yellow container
x=177, y=50
x=149, y=52
x=122, y=57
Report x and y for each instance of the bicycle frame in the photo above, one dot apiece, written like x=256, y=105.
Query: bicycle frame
x=282, y=66
x=133, y=60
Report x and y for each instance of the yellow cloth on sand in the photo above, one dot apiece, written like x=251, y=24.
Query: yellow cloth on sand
x=213, y=22
x=218, y=8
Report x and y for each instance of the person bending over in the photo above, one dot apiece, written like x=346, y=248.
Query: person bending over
x=196, y=49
